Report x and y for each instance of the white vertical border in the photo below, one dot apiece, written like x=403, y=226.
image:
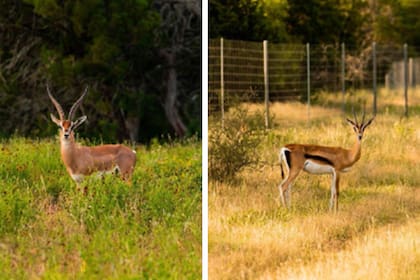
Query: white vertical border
x=204, y=127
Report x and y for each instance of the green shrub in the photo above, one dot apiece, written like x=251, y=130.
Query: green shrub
x=233, y=146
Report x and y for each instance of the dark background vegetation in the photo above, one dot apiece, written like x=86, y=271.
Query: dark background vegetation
x=140, y=59
x=354, y=22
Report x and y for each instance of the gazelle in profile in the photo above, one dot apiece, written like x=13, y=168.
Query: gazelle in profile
x=316, y=159
x=80, y=160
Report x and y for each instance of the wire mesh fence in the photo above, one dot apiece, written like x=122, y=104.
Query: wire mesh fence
x=266, y=72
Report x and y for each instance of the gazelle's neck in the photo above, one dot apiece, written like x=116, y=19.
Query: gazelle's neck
x=356, y=151
x=68, y=152
x=67, y=145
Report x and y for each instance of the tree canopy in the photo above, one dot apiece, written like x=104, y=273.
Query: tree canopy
x=354, y=22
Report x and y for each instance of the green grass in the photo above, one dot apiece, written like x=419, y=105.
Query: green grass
x=51, y=230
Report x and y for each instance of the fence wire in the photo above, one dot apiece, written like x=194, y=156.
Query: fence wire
x=236, y=70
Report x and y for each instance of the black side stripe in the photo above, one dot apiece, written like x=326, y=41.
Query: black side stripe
x=319, y=158
x=289, y=163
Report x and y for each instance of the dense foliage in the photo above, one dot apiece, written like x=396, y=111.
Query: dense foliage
x=127, y=52
x=355, y=22
x=245, y=19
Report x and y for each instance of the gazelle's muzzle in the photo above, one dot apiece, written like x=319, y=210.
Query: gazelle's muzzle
x=66, y=134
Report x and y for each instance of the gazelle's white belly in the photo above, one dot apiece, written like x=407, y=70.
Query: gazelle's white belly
x=78, y=178
x=113, y=170
x=316, y=168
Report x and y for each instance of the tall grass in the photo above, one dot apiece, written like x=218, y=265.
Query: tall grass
x=373, y=235
x=51, y=230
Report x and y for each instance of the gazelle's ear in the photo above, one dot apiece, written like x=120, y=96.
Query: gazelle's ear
x=78, y=122
x=350, y=122
x=55, y=120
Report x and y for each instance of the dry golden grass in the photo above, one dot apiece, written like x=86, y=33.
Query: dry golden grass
x=374, y=235
x=295, y=111
x=386, y=253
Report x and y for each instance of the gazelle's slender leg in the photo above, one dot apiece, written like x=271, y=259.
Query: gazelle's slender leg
x=281, y=188
x=284, y=185
x=334, y=191
x=289, y=195
x=337, y=191
x=283, y=162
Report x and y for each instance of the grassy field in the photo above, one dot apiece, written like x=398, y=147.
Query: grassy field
x=374, y=235
x=51, y=230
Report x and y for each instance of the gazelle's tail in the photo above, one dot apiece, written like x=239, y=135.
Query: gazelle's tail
x=284, y=158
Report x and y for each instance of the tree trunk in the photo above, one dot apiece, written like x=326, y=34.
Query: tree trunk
x=132, y=125
x=170, y=105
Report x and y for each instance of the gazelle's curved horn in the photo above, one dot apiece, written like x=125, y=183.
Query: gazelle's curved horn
x=364, y=113
x=364, y=125
x=355, y=118
x=76, y=104
x=56, y=104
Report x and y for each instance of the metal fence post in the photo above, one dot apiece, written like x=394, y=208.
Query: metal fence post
x=343, y=75
x=308, y=79
x=222, y=84
x=410, y=72
x=266, y=90
x=405, y=82
x=374, y=76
